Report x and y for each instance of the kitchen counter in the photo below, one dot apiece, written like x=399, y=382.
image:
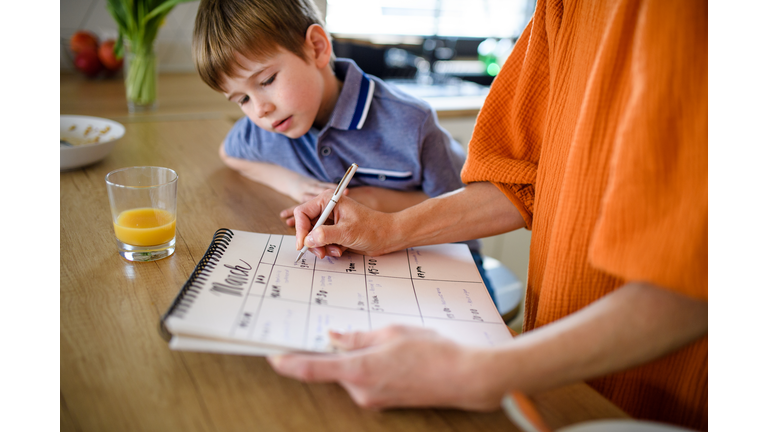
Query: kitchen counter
x=184, y=96
x=181, y=96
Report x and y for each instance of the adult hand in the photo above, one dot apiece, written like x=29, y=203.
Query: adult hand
x=351, y=226
x=478, y=210
x=400, y=366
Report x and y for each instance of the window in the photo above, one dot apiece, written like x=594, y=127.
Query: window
x=443, y=18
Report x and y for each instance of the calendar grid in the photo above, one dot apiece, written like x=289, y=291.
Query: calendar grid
x=436, y=287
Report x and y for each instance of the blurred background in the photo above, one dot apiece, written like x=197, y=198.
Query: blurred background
x=387, y=38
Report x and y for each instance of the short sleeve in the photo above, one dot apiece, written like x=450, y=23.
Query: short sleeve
x=242, y=141
x=654, y=215
x=506, y=143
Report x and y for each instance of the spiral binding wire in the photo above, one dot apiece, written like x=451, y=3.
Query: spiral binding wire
x=194, y=285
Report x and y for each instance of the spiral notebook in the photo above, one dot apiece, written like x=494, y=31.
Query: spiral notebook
x=246, y=296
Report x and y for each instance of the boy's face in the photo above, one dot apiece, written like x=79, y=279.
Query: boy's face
x=280, y=94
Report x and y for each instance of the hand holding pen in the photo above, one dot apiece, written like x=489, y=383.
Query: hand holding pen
x=331, y=204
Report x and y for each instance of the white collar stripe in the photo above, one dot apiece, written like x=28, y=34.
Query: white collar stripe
x=368, y=100
x=375, y=171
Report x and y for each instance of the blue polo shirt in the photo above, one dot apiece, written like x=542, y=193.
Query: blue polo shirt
x=393, y=137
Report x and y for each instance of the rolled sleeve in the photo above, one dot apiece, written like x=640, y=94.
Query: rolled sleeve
x=506, y=144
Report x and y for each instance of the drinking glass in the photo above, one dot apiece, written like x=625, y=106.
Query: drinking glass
x=143, y=203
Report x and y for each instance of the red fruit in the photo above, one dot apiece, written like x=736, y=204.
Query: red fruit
x=83, y=40
x=88, y=63
x=107, y=55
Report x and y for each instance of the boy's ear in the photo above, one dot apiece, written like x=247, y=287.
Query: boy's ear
x=318, y=45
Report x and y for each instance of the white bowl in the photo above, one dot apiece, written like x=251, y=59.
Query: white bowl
x=92, y=139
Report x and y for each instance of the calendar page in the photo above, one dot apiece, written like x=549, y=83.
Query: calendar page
x=252, y=299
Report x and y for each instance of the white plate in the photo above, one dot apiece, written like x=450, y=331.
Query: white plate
x=622, y=426
x=521, y=417
x=93, y=137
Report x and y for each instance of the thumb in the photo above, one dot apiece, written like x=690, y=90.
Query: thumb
x=359, y=340
x=323, y=236
x=352, y=340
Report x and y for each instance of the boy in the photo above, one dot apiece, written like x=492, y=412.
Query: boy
x=310, y=116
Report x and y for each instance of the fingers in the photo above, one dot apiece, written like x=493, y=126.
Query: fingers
x=287, y=215
x=359, y=340
x=335, y=250
x=322, y=236
x=318, y=252
x=327, y=238
x=310, y=368
x=353, y=340
x=334, y=368
x=396, y=366
x=305, y=213
x=287, y=212
x=349, y=227
x=330, y=250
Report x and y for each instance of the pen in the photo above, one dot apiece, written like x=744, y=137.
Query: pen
x=331, y=204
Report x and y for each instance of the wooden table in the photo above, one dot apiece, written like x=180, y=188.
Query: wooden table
x=118, y=374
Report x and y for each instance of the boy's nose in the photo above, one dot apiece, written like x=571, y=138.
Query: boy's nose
x=264, y=109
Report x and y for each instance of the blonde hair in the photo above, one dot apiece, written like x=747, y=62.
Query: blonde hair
x=253, y=28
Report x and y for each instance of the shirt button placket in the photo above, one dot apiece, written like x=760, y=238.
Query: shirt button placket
x=325, y=151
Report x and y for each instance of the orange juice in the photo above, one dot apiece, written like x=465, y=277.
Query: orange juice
x=145, y=226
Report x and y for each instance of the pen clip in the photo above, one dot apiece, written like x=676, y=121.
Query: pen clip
x=350, y=170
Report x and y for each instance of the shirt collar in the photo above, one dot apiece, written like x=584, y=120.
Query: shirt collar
x=354, y=101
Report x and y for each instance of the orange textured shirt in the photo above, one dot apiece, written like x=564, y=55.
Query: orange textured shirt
x=596, y=129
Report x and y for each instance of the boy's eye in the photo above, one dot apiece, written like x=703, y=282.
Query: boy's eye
x=268, y=81
x=243, y=101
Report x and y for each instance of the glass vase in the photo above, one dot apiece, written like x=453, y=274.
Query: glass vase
x=140, y=69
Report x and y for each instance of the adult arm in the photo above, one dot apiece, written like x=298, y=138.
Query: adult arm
x=413, y=367
x=478, y=210
x=386, y=200
x=283, y=180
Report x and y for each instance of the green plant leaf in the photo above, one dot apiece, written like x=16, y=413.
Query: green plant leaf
x=139, y=21
x=164, y=8
x=119, y=49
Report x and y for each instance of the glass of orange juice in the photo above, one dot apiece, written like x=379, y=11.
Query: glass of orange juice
x=143, y=202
